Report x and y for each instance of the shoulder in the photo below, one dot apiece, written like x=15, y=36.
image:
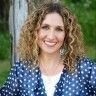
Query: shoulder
x=18, y=65
x=22, y=66
x=86, y=62
x=86, y=65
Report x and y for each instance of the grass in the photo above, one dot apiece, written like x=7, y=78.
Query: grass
x=4, y=70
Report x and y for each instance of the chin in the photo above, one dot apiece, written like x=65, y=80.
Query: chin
x=50, y=51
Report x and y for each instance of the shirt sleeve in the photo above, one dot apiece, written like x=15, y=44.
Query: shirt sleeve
x=92, y=80
x=10, y=88
x=87, y=70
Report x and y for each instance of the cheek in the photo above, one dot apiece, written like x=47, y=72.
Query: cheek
x=41, y=36
x=61, y=37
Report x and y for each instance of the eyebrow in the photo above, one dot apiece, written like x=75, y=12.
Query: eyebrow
x=60, y=26
x=56, y=26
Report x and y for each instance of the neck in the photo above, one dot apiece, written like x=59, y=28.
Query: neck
x=50, y=64
x=49, y=59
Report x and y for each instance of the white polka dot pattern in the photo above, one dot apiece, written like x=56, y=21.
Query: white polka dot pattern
x=24, y=81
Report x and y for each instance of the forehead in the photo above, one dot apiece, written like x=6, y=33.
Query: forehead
x=53, y=19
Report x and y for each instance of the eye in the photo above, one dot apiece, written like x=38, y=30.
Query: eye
x=59, y=29
x=45, y=27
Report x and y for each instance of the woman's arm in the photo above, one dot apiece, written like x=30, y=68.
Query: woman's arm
x=87, y=72
x=92, y=81
x=10, y=88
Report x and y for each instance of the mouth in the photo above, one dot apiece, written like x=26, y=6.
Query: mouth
x=50, y=44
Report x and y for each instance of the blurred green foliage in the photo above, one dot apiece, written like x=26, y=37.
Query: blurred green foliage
x=5, y=46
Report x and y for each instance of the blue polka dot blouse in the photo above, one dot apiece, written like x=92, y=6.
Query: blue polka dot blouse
x=25, y=81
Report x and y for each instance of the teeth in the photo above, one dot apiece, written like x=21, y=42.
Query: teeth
x=48, y=43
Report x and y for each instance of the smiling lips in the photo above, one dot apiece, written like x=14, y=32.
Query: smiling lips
x=50, y=44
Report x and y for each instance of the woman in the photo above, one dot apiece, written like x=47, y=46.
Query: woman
x=52, y=52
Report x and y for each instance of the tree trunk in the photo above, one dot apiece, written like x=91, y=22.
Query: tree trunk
x=17, y=15
x=19, y=9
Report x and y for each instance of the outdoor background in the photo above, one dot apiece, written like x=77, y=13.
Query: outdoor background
x=85, y=11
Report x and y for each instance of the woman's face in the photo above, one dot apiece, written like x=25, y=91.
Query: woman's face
x=51, y=33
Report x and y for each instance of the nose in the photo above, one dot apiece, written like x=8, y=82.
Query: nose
x=51, y=34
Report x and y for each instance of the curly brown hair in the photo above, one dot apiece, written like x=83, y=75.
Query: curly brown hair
x=73, y=42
